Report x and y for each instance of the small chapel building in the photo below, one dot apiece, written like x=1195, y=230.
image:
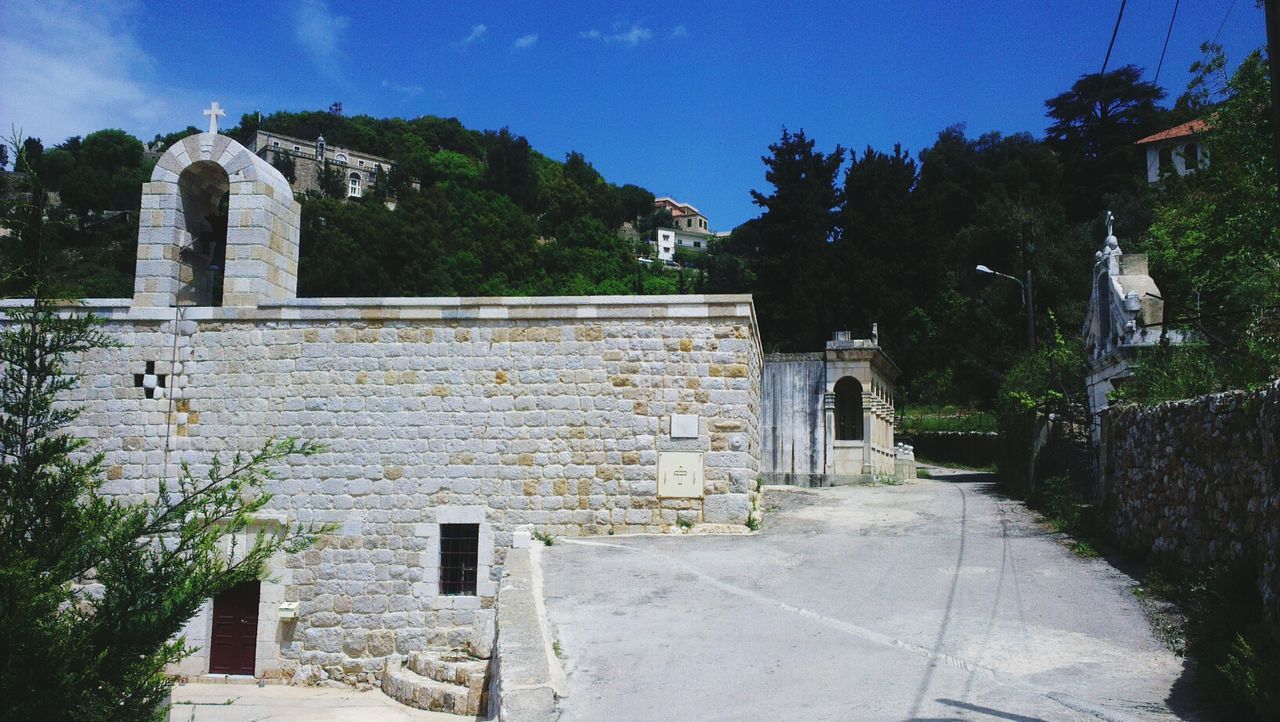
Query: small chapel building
x=453, y=427
x=828, y=417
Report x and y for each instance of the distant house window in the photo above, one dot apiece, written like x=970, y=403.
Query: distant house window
x=297, y=148
x=459, y=558
x=276, y=144
x=697, y=244
x=1191, y=156
x=340, y=158
x=1166, y=160
x=361, y=163
x=353, y=186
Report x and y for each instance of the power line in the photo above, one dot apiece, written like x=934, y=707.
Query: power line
x=1115, y=31
x=1167, y=35
x=1223, y=24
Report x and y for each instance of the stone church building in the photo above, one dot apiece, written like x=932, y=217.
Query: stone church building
x=453, y=427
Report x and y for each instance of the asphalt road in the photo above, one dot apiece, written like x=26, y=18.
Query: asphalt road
x=933, y=600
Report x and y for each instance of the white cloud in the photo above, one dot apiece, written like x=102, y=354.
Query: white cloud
x=477, y=32
x=404, y=91
x=621, y=35
x=70, y=70
x=679, y=31
x=319, y=31
x=525, y=41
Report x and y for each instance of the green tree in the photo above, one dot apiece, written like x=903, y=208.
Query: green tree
x=1214, y=246
x=1095, y=124
x=791, y=241
x=284, y=163
x=509, y=168
x=636, y=202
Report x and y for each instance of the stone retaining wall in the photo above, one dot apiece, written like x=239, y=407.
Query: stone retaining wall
x=1199, y=480
x=506, y=412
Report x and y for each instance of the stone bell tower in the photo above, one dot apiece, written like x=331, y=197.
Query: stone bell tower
x=218, y=227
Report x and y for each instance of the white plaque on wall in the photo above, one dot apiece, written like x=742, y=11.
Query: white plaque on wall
x=680, y=474
x=684, y=426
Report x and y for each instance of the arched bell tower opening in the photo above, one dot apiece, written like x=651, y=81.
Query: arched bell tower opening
x=204, y=189
x=848, y=409
x=218, y=227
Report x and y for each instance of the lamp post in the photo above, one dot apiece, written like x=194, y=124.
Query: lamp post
x=1026, y=301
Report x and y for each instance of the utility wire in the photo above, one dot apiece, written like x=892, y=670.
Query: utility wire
x=1102, y=75
x=1114, y=32
x=1223, y=24
x=1156, y=80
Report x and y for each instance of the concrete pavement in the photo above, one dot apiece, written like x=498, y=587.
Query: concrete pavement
x=282, y=703
x=937, y=599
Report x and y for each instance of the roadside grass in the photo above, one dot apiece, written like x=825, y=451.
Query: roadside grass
x=921, y=461
x=924, y=418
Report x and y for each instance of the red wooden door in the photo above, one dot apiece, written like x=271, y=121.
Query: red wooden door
x=235, y=630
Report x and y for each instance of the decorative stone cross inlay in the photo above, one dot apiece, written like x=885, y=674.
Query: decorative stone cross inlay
x=214, y=112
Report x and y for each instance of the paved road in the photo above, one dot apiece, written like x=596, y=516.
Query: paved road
x=280, y=703
x=934, y=600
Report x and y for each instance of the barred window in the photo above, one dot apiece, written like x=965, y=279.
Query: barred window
x=459, y=558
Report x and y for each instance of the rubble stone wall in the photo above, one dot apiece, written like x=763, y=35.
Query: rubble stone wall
x=1199, y=480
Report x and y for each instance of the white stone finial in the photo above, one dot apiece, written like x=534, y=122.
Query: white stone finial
x=1111, y=246
x=214, y=112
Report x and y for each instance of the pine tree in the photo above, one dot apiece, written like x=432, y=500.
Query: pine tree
x=791, y=242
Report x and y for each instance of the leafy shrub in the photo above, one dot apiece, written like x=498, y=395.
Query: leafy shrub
x=1236, y=652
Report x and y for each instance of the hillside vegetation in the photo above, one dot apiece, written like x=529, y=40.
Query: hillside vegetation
x=844, y=239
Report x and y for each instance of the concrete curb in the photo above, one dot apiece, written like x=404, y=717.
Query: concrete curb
x=527, y=676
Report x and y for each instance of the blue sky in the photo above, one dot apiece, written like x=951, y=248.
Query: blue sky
x=680, y=97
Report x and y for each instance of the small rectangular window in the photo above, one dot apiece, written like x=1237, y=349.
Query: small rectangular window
x=459, y=558
x=275, y=144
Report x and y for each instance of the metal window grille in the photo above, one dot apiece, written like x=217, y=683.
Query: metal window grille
x=459, y=558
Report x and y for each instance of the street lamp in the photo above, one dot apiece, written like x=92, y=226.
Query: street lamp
x=1026, y=305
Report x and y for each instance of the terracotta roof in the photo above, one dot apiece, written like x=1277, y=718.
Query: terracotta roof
x=1191, y=127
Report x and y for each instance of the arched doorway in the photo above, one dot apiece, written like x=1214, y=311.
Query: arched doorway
x=203, y=187
x=848, y=411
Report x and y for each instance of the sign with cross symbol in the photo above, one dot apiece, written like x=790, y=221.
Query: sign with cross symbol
x=214, y=112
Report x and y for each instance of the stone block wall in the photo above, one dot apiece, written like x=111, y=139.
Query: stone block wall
x=507, y=412
x=1199, y=480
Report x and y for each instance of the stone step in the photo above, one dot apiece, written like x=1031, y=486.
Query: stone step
x=410, y=688
x=455, y=637
x=454, y=666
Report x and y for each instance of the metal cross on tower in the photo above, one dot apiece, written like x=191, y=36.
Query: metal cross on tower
x=214, y=112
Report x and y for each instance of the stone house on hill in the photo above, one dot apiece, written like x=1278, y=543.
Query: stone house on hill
x=360, y=171
x=1176, y=150
x=453, y=426
x=691, y=231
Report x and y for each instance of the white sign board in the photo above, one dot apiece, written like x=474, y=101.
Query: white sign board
x=680, y=474
x=684, y=426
